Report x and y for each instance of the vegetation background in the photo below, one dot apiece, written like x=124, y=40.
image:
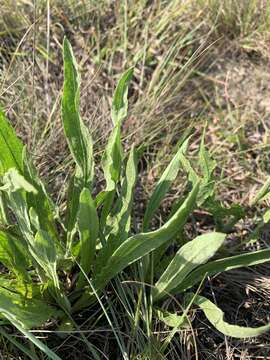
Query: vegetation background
x=198, y=64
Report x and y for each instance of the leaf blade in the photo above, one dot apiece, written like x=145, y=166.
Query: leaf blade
x=139, y=245
x=216, y=318
x=188, y=257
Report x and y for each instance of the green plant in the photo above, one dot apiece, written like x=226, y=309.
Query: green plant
x=42, y=254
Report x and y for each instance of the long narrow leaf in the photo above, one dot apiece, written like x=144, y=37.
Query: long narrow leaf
x=113, y=154
x=118, y=224
x=77, y=135
x=216, y=318
x=88, y=226
x=164, y=183
x=263, y=193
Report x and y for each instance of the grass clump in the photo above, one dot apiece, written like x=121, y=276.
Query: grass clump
x=55, y=268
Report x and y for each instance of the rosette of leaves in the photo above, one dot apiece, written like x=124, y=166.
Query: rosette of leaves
x=40, y=252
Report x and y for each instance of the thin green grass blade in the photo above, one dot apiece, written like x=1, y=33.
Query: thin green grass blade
x=216, y=318
x=262, y=194
x=188, y=257
x=16, y=343
x=32, y=338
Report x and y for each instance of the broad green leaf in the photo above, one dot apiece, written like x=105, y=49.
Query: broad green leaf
x=40, y=201
x=262, y=194
x=15, y=187
x=216, y=318
x=29, y=313
x=74, y=190
x=10, y=147
x=192, y=176
x=220, y=265
x=88, y=226
x=140, y=245
x=163, y=185
x=45, y=254
x=188, y=257
x=78, y=137
x=41, y=247
x=14, y=181
x=112, y=159
x=14, y=255
x=27, y=288
x=170, y=319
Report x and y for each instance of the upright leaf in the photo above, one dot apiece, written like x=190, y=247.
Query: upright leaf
x=88, y=226
x=45, y=255
x=40, y=200
x=10, y=147
x=118, y=223
x=120, y=102
x=163, y=185
x=77, y=135
x=113, y=154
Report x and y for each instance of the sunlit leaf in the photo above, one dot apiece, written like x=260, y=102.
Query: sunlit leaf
x=188, y=257
x=216, y=318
